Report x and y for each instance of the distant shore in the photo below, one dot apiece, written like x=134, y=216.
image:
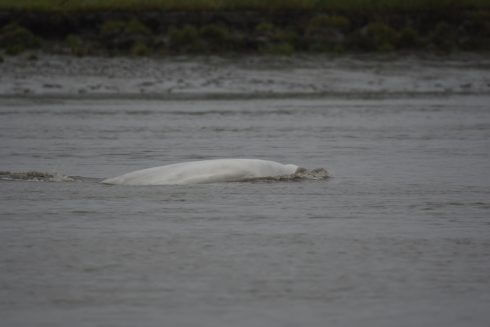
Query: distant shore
x=238, y=77
x=245, y=31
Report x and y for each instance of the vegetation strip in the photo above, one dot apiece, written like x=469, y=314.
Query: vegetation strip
x=97, y=5
x=69, y=27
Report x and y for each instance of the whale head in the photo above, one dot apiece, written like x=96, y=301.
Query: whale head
x=291, y=169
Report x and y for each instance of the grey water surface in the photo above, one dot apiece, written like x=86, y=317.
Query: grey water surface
x=398, y=236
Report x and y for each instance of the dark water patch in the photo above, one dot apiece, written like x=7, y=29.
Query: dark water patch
x=456, y=204
x=80, y=112
x=52, y=111
x=231, y=112
x=140, y=112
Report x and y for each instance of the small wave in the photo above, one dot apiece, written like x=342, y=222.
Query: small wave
x=34, y=176
x=315, y=174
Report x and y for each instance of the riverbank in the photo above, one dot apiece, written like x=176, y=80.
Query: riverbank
x=246, y=30
x=253, y=76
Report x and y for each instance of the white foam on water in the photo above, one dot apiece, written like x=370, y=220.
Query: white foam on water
x=35, y=176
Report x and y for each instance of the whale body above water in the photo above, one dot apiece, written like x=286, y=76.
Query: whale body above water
x=207, y=171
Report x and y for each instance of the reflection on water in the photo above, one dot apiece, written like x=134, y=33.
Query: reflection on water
x=398, y=236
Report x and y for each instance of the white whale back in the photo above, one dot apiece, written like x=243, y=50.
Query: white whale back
x=206, y=171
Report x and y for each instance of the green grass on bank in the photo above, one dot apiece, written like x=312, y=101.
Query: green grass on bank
x=102, y=5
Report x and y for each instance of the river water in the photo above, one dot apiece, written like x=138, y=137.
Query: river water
x=398, y=236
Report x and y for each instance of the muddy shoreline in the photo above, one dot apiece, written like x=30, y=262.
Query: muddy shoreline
x=252, y=76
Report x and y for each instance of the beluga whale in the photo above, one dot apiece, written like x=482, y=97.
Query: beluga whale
x=215, y=171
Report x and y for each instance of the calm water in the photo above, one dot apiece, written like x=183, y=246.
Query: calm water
x=399, y=236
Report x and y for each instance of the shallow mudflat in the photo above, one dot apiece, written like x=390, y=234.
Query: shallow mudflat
x=398, y=236
x=185, y=77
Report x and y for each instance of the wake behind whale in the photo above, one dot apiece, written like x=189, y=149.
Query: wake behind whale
x=35, y=176
x=194, y=172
